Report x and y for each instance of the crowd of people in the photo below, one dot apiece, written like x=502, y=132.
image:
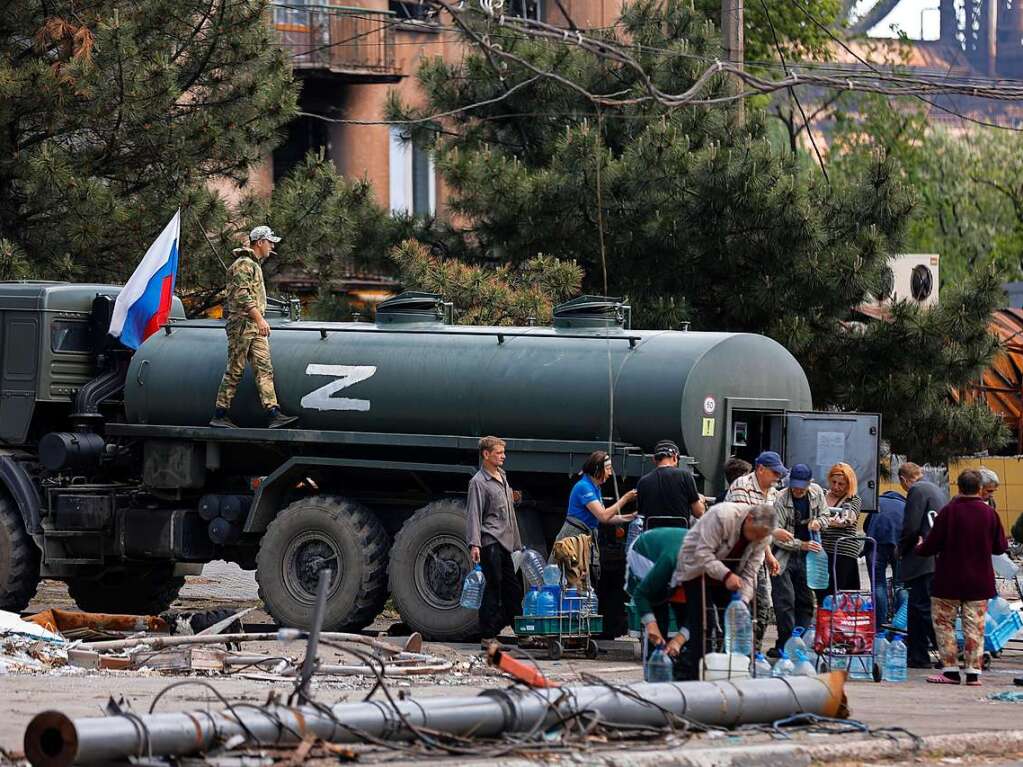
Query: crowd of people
x=754, y=539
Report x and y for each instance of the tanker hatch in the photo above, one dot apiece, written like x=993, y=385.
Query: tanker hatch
x=415, y=306
x=593, y=312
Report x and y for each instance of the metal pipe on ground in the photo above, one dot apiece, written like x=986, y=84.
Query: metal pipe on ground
x=53, y=739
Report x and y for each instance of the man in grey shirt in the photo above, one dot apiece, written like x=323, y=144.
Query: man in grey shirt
x=492, y=532
x=923, y=501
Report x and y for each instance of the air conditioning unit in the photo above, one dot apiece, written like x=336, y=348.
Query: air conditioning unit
x=913, y=278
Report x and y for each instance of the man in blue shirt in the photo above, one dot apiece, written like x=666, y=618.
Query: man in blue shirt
x=885, y=527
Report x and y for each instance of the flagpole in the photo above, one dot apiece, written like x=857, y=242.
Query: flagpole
x=207, y=237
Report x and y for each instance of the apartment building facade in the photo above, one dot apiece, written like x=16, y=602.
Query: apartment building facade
x=349, y=56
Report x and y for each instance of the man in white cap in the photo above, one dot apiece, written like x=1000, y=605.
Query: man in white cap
x=248, y=332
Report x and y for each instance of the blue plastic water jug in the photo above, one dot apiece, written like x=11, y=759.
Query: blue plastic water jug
x=529, y=604
x=472, y=589
x=895, y=661
x=816, y=567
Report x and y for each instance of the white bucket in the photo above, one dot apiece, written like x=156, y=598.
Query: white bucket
x=720, y=665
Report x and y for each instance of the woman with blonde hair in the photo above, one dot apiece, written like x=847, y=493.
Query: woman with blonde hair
x=838, y=530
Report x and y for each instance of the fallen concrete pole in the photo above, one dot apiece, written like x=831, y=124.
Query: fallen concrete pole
x=54, y=740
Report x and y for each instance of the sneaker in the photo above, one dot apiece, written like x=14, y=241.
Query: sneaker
x=223, y=422
x=279, y=420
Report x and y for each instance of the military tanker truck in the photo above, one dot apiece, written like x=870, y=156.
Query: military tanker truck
x=111, y=481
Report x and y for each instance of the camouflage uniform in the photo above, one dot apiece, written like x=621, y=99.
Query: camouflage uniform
x=245, y=290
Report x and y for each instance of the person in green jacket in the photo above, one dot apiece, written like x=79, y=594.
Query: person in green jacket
x=651, y=564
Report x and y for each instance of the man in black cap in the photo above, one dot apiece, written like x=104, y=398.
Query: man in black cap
x=669, y=490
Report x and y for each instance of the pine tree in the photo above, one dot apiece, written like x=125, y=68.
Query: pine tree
x=499, y=295
x=114, y=114
x=696, y=218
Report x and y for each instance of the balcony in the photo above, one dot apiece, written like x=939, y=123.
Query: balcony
x=354, y=44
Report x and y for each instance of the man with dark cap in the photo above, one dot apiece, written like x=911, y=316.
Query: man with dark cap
x=669, y=490
x=798, y=505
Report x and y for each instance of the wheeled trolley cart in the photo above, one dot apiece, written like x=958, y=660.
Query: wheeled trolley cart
x=846, y=626
x=564, y=632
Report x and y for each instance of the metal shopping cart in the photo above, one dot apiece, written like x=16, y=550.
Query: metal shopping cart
x=570, y=629
x=845, y=626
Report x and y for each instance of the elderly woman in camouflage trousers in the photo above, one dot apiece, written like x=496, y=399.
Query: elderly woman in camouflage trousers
x=965, y=534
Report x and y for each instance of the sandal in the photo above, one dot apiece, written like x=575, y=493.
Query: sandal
x=942, y=679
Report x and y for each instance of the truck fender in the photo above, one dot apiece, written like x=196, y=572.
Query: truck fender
x=267, y=501
x=22, y=489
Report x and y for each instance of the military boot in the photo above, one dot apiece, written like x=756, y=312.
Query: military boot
x=279, y=420
x=221, y=421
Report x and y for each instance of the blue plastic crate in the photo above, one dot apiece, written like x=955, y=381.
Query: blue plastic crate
x=995, y=640
x=1005, y=631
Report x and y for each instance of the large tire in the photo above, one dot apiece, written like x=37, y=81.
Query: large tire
x=310, y=535
x=429, y=561
x=19, y=559
x=131, y=592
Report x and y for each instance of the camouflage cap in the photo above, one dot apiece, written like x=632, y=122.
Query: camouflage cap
x=263, y=233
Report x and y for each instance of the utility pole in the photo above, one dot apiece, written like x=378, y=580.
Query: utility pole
x=734, y=43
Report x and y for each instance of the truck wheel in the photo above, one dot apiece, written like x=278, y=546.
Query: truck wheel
x=429, y=561
x=317, y=533
x=19, y=559
x=131, y=592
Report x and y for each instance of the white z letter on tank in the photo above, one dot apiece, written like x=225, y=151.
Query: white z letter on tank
x=345, y=375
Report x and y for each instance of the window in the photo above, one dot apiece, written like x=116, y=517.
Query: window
x=304, y=135
x=524, y=9
x=411, y=10
x=70, y=337
x=413, y=178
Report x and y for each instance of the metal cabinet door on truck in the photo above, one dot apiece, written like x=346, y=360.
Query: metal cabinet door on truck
x=817, y=439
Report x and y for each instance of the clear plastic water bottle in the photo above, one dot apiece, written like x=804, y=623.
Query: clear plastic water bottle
x=761, y=667
x=803, y=666
x=810, y=639
x=901, y=619
x=590, y=604
x=547, y=603
x=532, y=567
x=783, y=666
x=816, y=567
x=472, y=589
x=998, y=608
x=552, y=575
x=529, y=604
x=738, y=627
x=795, y=644
x=895, y=661
x=881, y=645
x=659, y=666
x=635, y=530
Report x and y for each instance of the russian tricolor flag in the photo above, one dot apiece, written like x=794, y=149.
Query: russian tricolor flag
x=144, y=303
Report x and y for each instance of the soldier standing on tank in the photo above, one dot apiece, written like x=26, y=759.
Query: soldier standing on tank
x=248, y=332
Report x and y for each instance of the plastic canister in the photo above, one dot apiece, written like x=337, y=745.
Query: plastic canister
x=554, y=593
x=571, y=602
x=722, y=665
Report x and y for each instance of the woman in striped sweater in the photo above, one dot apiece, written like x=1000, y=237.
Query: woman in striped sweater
x=838, y=531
